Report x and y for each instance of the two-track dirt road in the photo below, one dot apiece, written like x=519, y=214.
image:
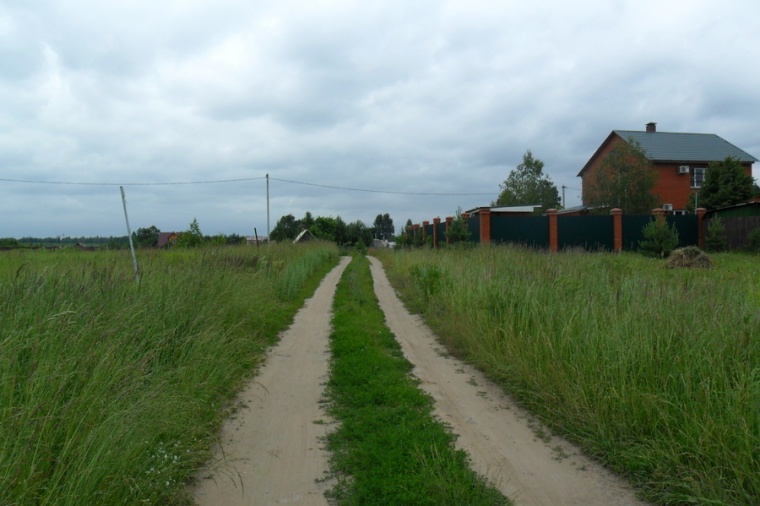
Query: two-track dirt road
x=271, y=451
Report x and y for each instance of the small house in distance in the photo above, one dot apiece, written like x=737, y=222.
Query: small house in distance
x=166, y=239
x=680, y=159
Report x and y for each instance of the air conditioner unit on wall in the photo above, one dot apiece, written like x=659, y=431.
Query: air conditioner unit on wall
x=683, y=169
x=667, y=207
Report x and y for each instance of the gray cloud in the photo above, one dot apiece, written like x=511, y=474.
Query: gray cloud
x=418, y=97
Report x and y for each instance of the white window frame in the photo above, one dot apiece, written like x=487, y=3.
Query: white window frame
x=697, y=176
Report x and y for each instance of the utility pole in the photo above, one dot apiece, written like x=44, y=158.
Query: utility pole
x=564, y=202
x=268, y=232
x=129, y=234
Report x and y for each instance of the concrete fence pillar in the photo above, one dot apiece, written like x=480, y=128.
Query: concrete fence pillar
x=425, y=225
x=553, y=232
x=485, y=226
x=436, y=222
x=701, y=227
x=617, y=229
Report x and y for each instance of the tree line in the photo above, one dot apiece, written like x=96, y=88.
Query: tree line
x=356, y=233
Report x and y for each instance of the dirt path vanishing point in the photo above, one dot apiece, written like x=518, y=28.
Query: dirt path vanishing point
x=270, y=451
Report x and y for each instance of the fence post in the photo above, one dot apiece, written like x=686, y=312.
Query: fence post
x=425, y=225
x=617, y=229
x=659, y=213
x=701, y=227
x=553, y=234
x=449, y=219
x=436, y=222
x=485, y=226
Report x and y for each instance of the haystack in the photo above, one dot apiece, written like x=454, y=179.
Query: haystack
x=690, y=256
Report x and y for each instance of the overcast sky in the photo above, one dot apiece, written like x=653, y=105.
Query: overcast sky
x=394, y=97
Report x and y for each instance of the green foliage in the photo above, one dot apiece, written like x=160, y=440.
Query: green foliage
x=113, y=393
x=358, y=233
x=659, y=238
x=753, y=241
x=652, y=370
x=8, y=242
x=715, y=239
x=383, y=227
x=726, y=183
x=286, y=229
x=146, y=237
x=458, y=231
x=624, y=180
x=528, y=185
x=192, y=238
x=387, y=448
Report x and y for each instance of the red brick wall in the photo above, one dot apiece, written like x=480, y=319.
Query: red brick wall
x=674, y=188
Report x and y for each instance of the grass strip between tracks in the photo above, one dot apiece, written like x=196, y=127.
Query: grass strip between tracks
x=387, y=449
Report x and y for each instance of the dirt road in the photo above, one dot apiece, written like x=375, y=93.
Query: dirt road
x=270, y=452
x=491, y=428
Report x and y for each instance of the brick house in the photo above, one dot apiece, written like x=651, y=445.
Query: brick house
x=680, y=159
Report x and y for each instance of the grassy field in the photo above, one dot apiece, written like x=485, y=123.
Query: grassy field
x=655, y=372
x=112, y=393
x=387, y=449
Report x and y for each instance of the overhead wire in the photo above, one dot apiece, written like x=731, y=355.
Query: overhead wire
x=172, y=183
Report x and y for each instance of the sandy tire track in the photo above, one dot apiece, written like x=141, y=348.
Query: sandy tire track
x=491, y=428
x=270, y=451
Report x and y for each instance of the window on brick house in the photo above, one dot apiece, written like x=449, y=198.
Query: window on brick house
x=697, y=176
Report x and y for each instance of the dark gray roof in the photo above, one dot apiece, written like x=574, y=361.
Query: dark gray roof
x=679, y=147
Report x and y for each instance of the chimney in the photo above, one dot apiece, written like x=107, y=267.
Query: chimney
x=651, y=127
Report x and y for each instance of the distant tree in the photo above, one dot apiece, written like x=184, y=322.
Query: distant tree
x=324, y=228
x=358, y=233
x=235, y=239
x=287, y=229
x=191, y=238
x=146, y=237
x=404, y=238
x=341, y=231
x=528, y=185
x=9, y=242
x=307, y=221
x=383, y=227
x=726, y=183
x=625, y=180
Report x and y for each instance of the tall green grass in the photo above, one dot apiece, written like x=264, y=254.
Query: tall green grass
x=655, y=372
x=387, y=449
x=110, y=392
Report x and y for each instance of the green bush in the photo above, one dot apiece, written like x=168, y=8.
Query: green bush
x=753, y=243
x=659, y=239
x=716, y=235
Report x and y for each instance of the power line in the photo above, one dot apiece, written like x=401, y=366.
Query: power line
x=377, y=191
x=172, y=183
x=79, y=183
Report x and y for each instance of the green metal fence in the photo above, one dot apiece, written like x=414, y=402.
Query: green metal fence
x=688, y=234
x=593, y=233
x=531, y=231
x=632, y=226
x=473, y=225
